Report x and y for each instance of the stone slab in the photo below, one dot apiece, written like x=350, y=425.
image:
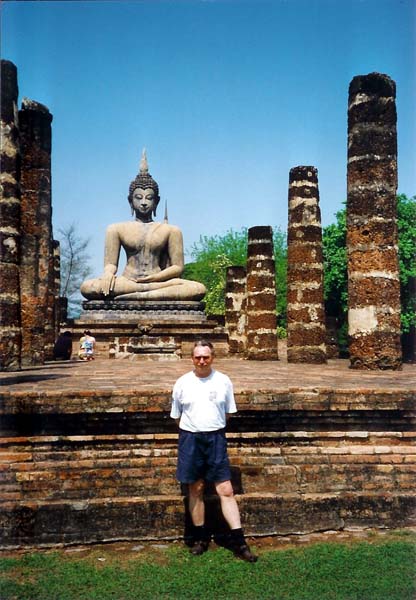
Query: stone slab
x=109, y=520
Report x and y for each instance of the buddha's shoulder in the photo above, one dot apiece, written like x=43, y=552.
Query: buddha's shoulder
x=120, y=227
x=173, y=228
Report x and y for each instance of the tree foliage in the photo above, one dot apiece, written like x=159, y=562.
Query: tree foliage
x=406, y=224
x=335, y=262
x=213, y=254
x=334, y=242
x=74, y=266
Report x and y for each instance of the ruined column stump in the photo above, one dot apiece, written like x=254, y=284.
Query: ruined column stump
x=261, y=295
x=37, y=250
x=331, y=341
x=10, y=331
x=235, y=309
x=372, y=241
x=306, y=330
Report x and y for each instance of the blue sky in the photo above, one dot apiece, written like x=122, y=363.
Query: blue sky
x=226, y=95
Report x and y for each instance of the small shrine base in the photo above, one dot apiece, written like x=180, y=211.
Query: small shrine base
x=139, y=330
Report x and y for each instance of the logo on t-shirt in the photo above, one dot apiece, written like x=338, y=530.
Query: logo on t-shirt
x=212, y=395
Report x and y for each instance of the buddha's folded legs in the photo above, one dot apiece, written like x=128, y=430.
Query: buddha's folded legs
x=125, y=289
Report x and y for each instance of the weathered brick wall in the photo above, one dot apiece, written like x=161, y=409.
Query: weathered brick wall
x=261, y=320
x=235, y=309
x=84, y=467
x=36, y=227
x=50, y=468
x=306, y=330
x=10, y=330
x=373, y=270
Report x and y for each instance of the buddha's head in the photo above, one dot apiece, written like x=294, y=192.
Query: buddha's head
x=144, y=181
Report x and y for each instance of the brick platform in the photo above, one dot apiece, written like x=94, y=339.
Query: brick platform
x=88, y=451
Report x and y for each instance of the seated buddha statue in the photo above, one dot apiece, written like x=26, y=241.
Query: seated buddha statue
x=154, y=253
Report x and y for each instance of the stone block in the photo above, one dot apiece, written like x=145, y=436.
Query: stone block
x=372, y=174
x=367, y=291
x=304, y=275
x=372, y=233
x=307, y=314
x=304, y=295
x=383, y=260
x=302, y=354
x=296, y=335
x=306, y=233
x=382, y=140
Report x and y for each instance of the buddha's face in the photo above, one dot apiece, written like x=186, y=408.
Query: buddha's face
x=143, y=202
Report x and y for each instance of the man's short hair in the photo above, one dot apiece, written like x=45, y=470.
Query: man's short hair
x=203, y=343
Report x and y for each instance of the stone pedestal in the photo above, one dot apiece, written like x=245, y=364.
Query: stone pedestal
x=140, y=310
x=144, y=330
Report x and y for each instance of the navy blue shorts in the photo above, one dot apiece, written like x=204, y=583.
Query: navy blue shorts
x=203, y=456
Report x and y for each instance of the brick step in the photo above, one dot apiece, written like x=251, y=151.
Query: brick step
x=86, y=467
x=381, y=439
x=53, y=523
x=84, y=484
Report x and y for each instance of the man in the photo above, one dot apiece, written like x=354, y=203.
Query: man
x=201, y=401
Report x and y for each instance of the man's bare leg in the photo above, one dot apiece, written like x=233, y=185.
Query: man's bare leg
x=231, y=514
x=196, y=502
x=197, y=511
x=229, y=504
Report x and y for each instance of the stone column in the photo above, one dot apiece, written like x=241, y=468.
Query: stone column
x=261, y=295
x=10, y=331
x=35, y=130
x=372, y=242
x=306, y=331
x=52, y=303
x=235, y=309
x=57, y=286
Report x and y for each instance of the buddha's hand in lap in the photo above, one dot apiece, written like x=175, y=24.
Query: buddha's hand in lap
x=145, y=279
x=108, y=281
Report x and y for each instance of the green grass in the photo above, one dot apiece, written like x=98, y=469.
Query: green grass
x=381, y=570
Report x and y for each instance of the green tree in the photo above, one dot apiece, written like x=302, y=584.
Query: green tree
x=213, y=254
x=334, y=242
x=74, y=266
x=406, y=224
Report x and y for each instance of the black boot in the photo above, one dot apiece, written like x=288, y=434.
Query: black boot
x=201, y=539
x=240, y=547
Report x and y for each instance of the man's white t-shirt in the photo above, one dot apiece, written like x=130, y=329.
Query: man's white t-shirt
x=202, y=403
